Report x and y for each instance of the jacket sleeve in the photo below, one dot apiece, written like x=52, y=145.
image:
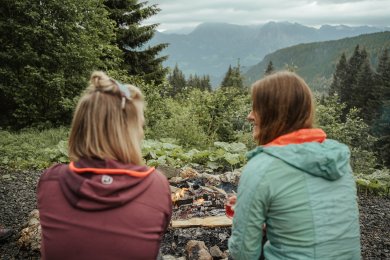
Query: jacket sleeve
x=250, y=214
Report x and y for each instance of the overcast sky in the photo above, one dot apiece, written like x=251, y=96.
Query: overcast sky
x=176, y=14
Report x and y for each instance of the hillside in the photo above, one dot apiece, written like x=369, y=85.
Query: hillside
x=211, y=47
x=316, y=62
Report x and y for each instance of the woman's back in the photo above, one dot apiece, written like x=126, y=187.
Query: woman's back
x=105, y=204
x=99, y=216
x=305, y=193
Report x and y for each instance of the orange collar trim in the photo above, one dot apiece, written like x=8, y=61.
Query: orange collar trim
x=72, y=167
x=299, y=137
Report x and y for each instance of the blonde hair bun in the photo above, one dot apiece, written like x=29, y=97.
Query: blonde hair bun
x=99, y=81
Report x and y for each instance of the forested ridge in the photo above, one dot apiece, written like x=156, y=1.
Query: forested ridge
x=317, y=61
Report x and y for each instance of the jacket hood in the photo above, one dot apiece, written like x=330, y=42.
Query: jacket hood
x=325, y=158
x=92, y=184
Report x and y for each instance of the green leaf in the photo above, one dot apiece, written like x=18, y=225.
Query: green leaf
x=232, y=159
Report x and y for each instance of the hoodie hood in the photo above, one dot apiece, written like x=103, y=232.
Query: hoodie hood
x=312, y=154
x=92, y=184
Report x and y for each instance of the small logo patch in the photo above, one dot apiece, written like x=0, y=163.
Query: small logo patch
x=106, y=179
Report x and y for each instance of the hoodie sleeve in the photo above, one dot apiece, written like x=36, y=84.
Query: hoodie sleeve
x=250, y=214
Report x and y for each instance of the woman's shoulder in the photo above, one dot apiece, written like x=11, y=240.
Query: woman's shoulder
x=160, y=177
x=260, y=161
x=53, y=171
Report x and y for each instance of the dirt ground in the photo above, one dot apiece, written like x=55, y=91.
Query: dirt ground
x=17, y=200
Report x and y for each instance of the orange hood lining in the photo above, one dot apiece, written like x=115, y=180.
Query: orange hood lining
x=299, y=137
x=136, y=174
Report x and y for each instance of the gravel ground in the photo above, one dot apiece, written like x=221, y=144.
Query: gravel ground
x=17, y=200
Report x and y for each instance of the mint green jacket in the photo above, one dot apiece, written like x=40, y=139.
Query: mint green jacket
x=306, y=196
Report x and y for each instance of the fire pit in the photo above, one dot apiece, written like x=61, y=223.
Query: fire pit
x=193, y=200
x=198, y=213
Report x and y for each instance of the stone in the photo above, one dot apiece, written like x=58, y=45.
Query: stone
x=231, y=177
x=189, y=173
x=176, y=179
x=212, y=180
x=168, y=171
x=30, y=236
x=215, y=252
x=197, y=250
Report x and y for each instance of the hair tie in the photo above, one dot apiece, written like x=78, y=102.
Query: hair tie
x=125, y=92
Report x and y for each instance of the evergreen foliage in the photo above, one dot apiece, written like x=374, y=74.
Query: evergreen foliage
x=382, y=125
x=354, y=82
x=131, y=38
x=339, y=76
x=233, y=78
x=317, y=61
x=359, y=86
x=177, y=80
x=179, y=84
x=270, y=68
x=202, y=83
x=47, y=50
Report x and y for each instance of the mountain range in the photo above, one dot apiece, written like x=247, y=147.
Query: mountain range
x=211, y=47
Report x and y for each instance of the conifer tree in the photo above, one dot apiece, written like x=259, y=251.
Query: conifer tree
x=382, y=125
x=366, y=93
x=227, y=80
x=383, y=75
x=270, y=68
x=191, y=82
x=205, y=83
x=233, y=78
x=131, y=38
x=177, y=81
x=339, y=77
x=355, y=63
x=351, y=92
x=202, y=83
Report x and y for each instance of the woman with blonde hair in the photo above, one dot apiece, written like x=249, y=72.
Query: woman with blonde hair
x=296, y=182
x=104, y=204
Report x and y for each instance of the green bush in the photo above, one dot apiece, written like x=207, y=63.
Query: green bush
x=182, y=124
x=33, y=149
x=351, y=131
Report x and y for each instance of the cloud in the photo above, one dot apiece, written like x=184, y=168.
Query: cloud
x=176, y=14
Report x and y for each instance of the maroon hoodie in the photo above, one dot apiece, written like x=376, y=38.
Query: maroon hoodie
x=102, y=209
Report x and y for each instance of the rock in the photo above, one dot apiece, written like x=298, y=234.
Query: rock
x=215, y=252
x=223, y=236
x=212, y=180
x=30, y=236
x=176, y=180
x=197, y=250
x=168, y=171
x=231, y=177
x=189, y=173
